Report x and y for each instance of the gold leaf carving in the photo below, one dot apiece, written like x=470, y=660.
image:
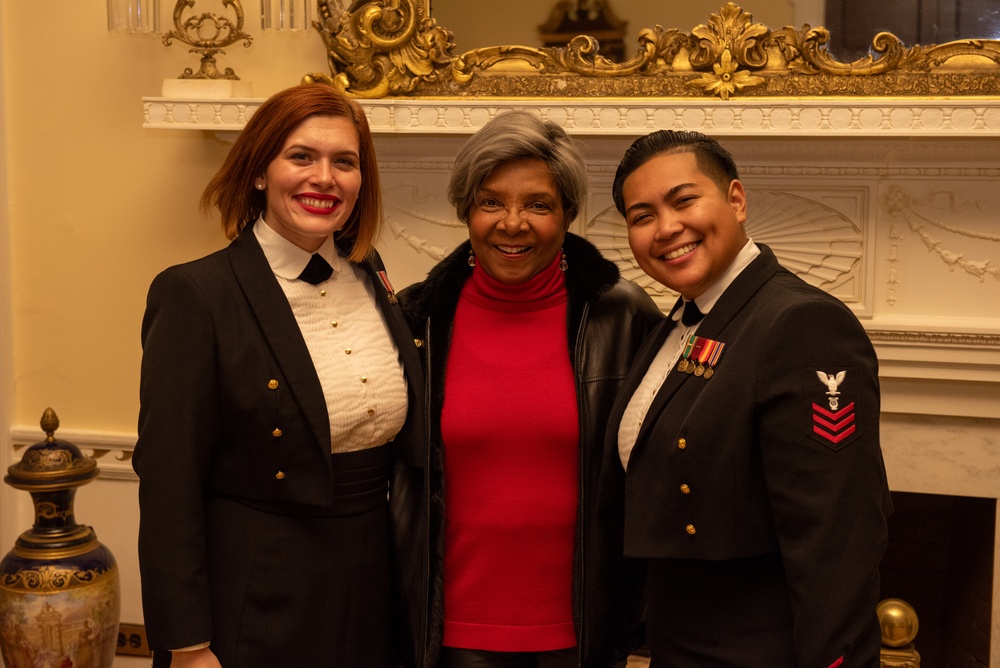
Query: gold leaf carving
x=395, y=48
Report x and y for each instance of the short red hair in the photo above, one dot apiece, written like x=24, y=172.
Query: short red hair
x=232, y=188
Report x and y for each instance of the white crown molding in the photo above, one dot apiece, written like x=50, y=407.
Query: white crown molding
x=792, y=117
x=111, y=450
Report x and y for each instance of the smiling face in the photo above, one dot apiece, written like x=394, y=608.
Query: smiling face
x=313, y=182
x=683, y=229
x=516, y=225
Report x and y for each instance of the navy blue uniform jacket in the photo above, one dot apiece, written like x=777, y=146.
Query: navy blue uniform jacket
x=767, y=463
x=230, y=398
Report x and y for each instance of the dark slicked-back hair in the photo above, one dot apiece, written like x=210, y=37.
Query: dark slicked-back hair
x=714, y=160
x=232, y=188
x=518, y=135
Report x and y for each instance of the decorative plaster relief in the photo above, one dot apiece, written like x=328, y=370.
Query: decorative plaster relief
x=623, y=117
x=409, y=221
x=809, y=237
x=960, y=232
x=420, y=225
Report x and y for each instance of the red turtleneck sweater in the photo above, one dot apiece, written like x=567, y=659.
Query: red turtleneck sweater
x=510, y=430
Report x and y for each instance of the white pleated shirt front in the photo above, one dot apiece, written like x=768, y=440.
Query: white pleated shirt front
x=349, y=342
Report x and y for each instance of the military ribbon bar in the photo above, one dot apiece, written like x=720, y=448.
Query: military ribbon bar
x=700, y=356
x=690, y=344
x=382, y=276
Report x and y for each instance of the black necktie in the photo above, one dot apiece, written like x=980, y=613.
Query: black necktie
x=691, y=315
x=317, y=271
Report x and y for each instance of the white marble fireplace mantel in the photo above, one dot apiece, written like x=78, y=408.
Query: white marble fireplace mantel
x=901, y=192
x=792, y=117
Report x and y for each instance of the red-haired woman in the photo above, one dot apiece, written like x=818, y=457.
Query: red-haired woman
x=276, y=375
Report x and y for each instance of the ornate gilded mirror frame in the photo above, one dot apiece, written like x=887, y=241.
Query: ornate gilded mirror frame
x=384, y=48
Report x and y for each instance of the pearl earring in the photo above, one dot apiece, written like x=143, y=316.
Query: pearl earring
x=260, y=186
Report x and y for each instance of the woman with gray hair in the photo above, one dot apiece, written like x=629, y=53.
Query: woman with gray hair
x=505, y=558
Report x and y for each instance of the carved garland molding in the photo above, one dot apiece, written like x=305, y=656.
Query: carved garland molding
x=628, y=118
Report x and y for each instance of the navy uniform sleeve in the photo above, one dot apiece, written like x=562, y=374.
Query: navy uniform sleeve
x=178, y=429
x=818, y=433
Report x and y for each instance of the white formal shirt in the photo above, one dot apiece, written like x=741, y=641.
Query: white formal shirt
x=670, y=351
x=349, y=342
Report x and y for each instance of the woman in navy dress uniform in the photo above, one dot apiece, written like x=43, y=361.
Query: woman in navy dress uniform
x=755, y=488
x=277, y=375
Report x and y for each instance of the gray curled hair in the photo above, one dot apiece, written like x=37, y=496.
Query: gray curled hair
x=518, y=135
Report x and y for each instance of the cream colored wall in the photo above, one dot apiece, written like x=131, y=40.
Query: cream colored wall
x=8, y=497
x=92, y=206
x=97, y=204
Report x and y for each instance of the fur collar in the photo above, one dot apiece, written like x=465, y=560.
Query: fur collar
x=588, y=276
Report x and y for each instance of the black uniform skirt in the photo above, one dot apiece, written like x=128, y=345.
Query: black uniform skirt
x=302, y=586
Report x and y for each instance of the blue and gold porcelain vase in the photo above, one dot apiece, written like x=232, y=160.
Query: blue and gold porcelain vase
x=59, y=587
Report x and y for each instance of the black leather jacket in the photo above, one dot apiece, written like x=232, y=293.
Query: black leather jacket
x=608, y=318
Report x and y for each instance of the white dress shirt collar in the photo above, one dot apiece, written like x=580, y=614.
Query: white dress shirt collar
x=286, y=259
x=706, y=300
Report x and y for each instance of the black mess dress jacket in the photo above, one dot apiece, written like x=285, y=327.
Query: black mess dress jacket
x=761, y=459
x=231, y=407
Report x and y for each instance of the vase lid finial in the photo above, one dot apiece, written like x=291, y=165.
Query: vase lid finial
x=49, y=423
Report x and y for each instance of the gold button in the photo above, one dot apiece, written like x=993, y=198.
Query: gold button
x=276, y=433
x=347, y=351
x=690, y=529
x=371, y=412
x=682, y=443
x=364, y=379
x=418, y=343
x=322, y=293
x=685, y=489
x=334, y=323
x=272, y=384
x=280, y=475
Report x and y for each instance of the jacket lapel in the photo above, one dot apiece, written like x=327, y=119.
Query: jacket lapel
x=670, y=385
x=400, y=331
x=729, y=305
x=640, y=365
x=280, y=329
x=739, y=292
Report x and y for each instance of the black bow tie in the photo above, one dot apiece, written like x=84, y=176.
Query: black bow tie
x=691, y=315
x=317, y=271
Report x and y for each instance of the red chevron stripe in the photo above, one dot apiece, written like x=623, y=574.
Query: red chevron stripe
x=834, y=426
x=837, y=663
x=839, y=437
x=834, y=416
